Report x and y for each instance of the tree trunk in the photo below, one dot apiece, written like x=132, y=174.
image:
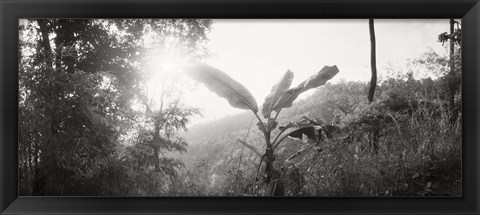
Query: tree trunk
x=39, y=177
x=373, y=61
x=65, y=39
x=156, y=149
x=42, y=23
x=29, y=171
x=156, y=145
x=157, y=159
x=451, y=82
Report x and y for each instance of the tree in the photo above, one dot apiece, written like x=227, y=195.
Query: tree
x=373, y=60
x=454, y=37
x=452, y=69
x=160, y=133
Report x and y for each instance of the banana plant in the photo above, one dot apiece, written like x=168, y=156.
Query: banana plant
x=280, y=97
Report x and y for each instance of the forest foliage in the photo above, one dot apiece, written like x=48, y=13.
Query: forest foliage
x=87, y=122
x=89, y=126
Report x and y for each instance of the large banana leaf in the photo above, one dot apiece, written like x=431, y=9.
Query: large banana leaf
x=223, y=85
x=319, y=79
x=276, y=92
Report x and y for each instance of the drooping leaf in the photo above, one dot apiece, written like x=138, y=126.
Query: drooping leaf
x=223, y=85
x=276, y=92
x=311, y=132
x=305, y=127
x=295, y=130
x=319, y=79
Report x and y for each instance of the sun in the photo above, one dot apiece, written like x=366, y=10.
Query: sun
x=162, y=68
x=166, y=63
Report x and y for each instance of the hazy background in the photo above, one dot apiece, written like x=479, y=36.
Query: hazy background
x=258, y=52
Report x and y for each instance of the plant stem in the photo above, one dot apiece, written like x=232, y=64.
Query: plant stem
x=261, y=124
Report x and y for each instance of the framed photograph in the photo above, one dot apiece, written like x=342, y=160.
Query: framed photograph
x=310, y=107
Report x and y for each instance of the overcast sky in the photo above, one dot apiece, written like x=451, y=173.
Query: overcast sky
x=258, y=52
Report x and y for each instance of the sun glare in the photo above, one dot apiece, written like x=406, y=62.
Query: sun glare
x=165, y=64
x=162, y=67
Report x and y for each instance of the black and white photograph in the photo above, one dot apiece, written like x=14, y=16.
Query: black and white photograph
x=240, y=107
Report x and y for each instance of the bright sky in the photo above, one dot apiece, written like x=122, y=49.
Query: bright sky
x=257, y=53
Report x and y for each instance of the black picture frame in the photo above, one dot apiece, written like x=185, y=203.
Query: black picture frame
x=12, y=10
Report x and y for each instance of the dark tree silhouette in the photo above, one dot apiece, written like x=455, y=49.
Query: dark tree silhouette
x=373, y=61
x=451, y=85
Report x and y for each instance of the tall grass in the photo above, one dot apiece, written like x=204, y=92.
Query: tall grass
x=419, y=153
